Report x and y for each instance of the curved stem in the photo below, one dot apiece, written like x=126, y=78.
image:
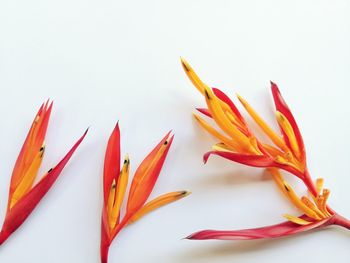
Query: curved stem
x=341, y=221
x=309, y=183
x=104, y=252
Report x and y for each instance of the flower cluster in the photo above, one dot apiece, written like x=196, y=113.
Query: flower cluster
x=286, y=152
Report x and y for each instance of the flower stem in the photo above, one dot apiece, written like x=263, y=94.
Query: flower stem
x=309, y=183
x=104, y=253
x=3, y=237
x=341, y=221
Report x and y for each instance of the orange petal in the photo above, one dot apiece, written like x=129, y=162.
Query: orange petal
x=146, y=175
x=158, y=202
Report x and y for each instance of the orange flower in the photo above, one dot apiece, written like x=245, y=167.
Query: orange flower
x=285, y=151
x=115, y=181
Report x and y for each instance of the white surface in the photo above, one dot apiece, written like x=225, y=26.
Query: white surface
x=101, y=61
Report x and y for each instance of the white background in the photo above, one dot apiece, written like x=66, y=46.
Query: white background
x=103, y=61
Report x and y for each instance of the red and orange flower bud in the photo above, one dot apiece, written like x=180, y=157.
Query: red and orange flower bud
x=24, y=194
x=115, y=181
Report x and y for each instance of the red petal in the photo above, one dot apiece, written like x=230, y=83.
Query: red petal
x=222, y=96
x=23, y=208
x=111, y=162
x=251, y=160
x=283, y=229
x=282, y=107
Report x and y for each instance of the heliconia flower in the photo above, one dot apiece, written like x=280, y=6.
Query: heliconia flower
x=287, y=152
x=25, y=193
x=115, y=181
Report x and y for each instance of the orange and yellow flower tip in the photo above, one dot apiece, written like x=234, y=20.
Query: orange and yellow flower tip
x=285, y=151
x=116, y=179
x=24, y=194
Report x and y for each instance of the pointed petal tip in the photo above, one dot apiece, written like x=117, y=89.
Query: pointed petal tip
x=187, y=238
x=168, y=138
x=169, y=141
x=206, y=157
x=126, y=158
x=204, y=111
x=185, y=64
x=85, y=132
x=167, y=135
x=186, y=193
x=194, y=236
x=49, y=104
x=241, y=99
x=116, y=129
x=274, y=87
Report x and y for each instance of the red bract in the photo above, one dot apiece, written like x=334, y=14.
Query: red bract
x=287, y=152
x=283, y=229
x=24, y=194
x=115, y=181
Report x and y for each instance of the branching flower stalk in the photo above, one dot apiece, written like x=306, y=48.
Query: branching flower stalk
x=285, y=152
x=115, y=181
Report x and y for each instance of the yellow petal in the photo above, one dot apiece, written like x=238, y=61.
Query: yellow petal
x=276, y=175
x=191, y=74
x=224, y=123
x=319, y=185
x=222, y=147
x=215, y=133
x=288, y=130
x=296, y=220
x=200, y=85
x=312, y=206
x=277, y=140
x=291, y=195
x=325, y=195
x=235, y=120
x=111, y=198
x=158, y=202
x=298, y=203
x=285, y=161
x=120, y=191
x=273, y=151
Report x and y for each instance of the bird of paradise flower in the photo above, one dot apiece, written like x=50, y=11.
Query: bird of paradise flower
x=239, y=144
x=115, y=181
x=24, y=193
